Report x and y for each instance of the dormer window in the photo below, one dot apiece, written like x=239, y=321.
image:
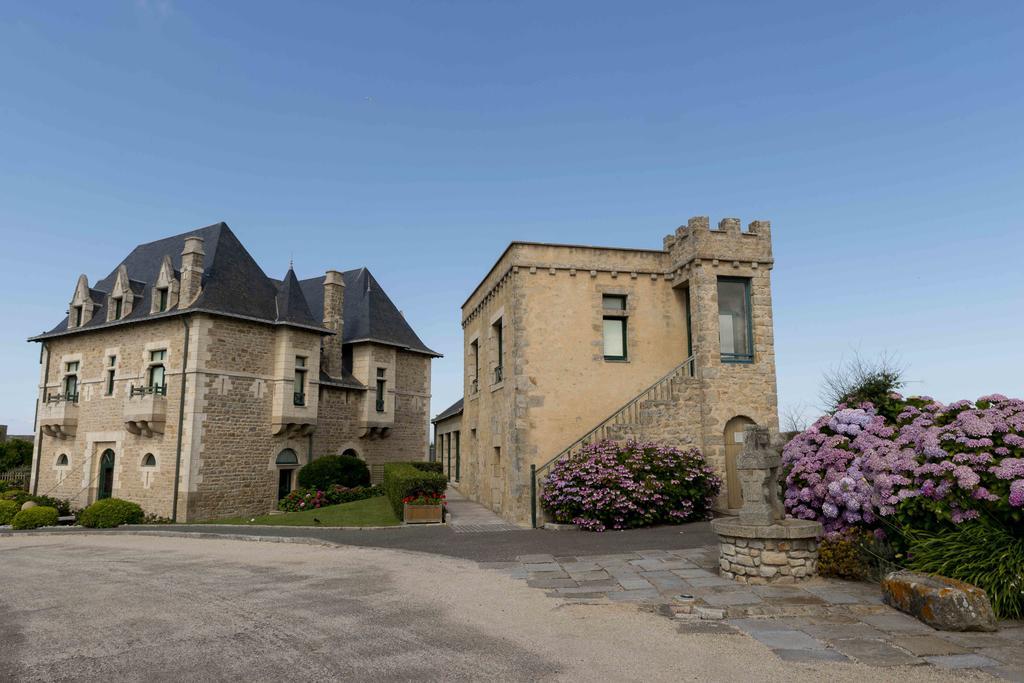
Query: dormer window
x=121, y=297
x=118, y=304
x=82, y=306
x=165, y=289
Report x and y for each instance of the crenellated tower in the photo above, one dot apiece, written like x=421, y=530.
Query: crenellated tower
x=725, y=275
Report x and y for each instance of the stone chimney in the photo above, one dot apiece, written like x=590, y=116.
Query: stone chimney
x=191, y=271
x=334, y=304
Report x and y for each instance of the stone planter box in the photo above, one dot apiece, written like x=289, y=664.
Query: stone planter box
x=423, y=514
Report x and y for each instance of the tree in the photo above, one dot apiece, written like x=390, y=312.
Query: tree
x=860, y=380
x=15, y=453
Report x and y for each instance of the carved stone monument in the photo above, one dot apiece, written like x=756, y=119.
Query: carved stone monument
x=760, y=545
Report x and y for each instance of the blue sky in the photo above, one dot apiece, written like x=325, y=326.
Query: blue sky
x=883, y=140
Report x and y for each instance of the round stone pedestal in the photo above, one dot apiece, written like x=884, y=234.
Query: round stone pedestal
x=784, y=552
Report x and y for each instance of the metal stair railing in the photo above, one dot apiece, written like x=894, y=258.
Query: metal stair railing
x=630, y=413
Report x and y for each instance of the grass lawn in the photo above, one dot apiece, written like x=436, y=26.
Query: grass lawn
x=370, y=512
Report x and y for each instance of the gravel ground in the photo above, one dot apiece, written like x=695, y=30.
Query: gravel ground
x=119, y=607
x=490, y=546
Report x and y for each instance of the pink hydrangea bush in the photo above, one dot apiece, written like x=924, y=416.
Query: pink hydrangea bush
x=613, y=486
x=936, y=464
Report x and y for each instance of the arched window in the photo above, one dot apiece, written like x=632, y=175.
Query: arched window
x=287, y=457
x=350, y=453
x=149, y=460
x=62, y=460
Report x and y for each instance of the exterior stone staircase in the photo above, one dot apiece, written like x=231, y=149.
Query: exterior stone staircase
x=656, y=413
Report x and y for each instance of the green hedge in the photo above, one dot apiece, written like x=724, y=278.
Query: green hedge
x=402, y=479
x=8, y=508
x=111, y=512
x=33, y=518
x=334, y=470
x=428, y=466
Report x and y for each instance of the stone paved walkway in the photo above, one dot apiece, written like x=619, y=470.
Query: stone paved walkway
x=817, y=620
x=467, y=517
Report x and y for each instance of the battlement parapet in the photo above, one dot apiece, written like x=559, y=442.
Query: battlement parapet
x=727, y=242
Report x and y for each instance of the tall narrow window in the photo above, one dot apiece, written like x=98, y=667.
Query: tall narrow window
x=111, y=371
x=118, y=304
x=498, y=329
x=734, y=320
x=300, y=381
x=156, y=381
x=78, y=316
x=474, y=380
x=71, y=381
x=614, y=326
x=346, y=358
x=161, y=299
x=381, y=383
x=458, y=456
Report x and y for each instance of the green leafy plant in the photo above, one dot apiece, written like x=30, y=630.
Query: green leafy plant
x=8, y=508
x=151, y=518
x=33, y=518
x=111, y=512
x=981, y=553
x=403, y=479
x=331, y=470
x=841, y=557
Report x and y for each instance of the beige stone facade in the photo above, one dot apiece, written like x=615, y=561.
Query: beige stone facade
x=544, y=366
x=230, y=423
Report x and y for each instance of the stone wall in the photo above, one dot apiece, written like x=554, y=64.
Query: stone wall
x=557, y=384
x=760, y=561
x=101, y=417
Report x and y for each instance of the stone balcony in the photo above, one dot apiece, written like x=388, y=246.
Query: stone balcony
x=145, y=410
x=58, y=416
x=293, y=415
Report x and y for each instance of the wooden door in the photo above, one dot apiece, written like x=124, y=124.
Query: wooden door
x=735, y=430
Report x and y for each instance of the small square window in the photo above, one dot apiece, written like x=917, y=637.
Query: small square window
x=614, y=302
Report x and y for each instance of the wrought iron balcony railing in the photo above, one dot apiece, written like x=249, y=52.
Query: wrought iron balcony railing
x=299, y=398
x=155, y=390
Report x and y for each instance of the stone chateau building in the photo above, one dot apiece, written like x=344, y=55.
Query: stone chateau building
x=193, y=384
x=565, y=345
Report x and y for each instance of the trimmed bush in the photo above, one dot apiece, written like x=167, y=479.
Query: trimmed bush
x=608, y=485
x=404, y=479
x=308, y=499
x=8, y=508
x=111, y=512
x=334, y=470
x=33, y=518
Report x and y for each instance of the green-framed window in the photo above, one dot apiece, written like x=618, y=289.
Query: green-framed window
x=615, y=324
x=735, y=320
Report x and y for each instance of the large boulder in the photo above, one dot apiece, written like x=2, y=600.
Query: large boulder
x=944, y=604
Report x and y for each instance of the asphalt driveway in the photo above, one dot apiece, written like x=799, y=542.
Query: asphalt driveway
x=146, y=608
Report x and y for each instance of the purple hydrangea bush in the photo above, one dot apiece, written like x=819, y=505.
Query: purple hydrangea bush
x=608, y=485
x=935, y=464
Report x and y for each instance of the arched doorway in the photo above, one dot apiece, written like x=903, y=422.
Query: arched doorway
x=350, y=453
x=106, y=487
x=735, y=430
x=287, y=462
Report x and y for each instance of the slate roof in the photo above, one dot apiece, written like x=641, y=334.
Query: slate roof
x=235, y=285
x=368, y=312
x=451, y=411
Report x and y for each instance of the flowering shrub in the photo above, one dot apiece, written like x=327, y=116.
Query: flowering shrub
x=425, y=498
x=935, y=465
x=310, y=499
x=608, y=485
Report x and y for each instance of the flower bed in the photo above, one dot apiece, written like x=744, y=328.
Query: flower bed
x=927, y=481
x=311, y=499
x=611, y=486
